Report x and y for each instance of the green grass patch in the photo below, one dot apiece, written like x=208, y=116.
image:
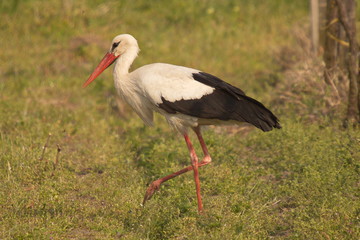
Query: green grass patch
x=301, y=182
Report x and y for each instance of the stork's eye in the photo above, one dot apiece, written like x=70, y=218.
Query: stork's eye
x=115, y=44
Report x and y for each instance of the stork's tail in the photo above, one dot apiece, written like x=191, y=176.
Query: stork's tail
x=258, y=115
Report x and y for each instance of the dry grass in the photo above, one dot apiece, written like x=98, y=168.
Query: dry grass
x=303, y=88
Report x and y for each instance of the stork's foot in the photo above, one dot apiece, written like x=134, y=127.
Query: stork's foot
x=206, y=160
x=153, y=187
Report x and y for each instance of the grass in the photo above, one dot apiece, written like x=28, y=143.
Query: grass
x=301, y=182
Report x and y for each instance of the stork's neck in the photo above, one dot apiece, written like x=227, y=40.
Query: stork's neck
x=123, y=63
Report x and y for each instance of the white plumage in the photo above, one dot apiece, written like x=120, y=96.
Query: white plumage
x=143, y=89
x=172, y=82
x=188, y=98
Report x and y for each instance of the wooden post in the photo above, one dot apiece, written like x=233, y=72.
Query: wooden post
x=347, y=18
x=330, y=47
x=315, y=25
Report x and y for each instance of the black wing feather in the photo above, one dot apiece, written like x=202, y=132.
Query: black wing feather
x=225, y=103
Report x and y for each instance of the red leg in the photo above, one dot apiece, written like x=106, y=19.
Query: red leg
x=195, y=165
x=207, y=157
x=154, y=186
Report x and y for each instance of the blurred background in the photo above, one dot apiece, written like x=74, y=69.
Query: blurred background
x=75, y=163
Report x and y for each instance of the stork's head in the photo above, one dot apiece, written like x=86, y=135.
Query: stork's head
x=121, y=43
x=119, y=46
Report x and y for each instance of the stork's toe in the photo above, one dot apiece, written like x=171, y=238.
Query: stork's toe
x=153, y=187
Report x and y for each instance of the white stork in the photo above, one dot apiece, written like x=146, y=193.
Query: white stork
x=186, y=97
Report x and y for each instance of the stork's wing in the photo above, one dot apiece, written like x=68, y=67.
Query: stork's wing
x=225, y=102
x=171, y=82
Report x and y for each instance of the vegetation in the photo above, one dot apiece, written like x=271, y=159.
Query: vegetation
x=301, y=182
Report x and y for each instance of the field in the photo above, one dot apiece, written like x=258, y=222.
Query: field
x=300, y=182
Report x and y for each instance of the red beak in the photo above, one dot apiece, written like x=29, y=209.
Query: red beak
x=108, y=59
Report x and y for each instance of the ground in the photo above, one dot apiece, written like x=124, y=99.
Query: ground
x=300, y=182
